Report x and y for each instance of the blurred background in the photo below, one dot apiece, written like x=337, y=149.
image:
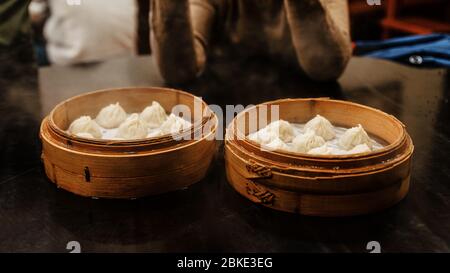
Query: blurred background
x=66, y=32
x=395, y=18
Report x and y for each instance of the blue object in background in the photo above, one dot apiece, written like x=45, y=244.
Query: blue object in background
x=41, y=54
x=431, y=50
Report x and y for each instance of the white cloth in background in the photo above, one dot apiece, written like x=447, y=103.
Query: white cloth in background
x=94, y=30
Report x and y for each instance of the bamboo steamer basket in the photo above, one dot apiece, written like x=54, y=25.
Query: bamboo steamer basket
x=127, y=169
x=320, y=185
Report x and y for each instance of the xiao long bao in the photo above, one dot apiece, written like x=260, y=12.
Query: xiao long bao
x=322, y=127
x=154, y=115
x=355, y=136
x=113, y=123
x=174, y=124
x=276, y=131
x=84, y=135
x=111, y=116
x=317, y=137
x=85, y=126
x=133, y=128
x=276, y=144
x=303, y=143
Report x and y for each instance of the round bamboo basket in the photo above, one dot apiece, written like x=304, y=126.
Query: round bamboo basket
x=325, y=185
x=127, y=169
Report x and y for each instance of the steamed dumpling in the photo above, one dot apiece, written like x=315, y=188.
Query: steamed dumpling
x=336, y=151
x=328, y=150
x=84, y=135
x=361, y=148
x=263, y=136
x=282, y=129
x=354, y=136
x=307, y=141
x=155, y=133
x=85, y=124
x=276, y=144
x=132, y=128
x=174, y=124
x=111, y=116
x=278, y=129
x=154, y=115
x=116, y=138
x=322, y=127
x=322, y=150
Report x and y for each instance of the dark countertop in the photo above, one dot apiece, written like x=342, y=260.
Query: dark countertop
x=210, y=216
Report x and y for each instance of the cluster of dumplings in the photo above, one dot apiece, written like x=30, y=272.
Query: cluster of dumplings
x=113, y=123
x=317, y=137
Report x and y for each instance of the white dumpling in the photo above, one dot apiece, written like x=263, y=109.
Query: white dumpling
x=322, y=127
x=85, y=124
x=322, y=150
x=84, y=135
x=281, y=129
x=361, y=148
x=326, y=150
x=174, y=124
x=336, y=151
x=154, y=115
x=263, y=136
x=278, y=129
x=276, y=144
x=115, y=138
x=307, y=141
x=111, y=116
x=155, y=133
x=354, y=136
x=132, y=128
